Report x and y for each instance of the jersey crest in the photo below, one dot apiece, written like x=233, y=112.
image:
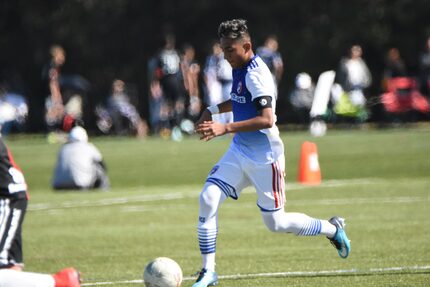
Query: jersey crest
x=239, y=87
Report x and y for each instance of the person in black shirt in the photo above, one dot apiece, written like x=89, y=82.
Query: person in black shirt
x=13, y=205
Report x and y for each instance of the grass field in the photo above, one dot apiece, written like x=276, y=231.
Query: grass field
x=378, y=180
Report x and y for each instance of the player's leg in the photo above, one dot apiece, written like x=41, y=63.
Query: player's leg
x=225, y=180
x=271, y=198
x=13, y=278
x=12, y=212
x=297, y=223
x=210, y=199
x=68, y=277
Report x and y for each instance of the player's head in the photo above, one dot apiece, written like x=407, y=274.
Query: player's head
x=235, y=42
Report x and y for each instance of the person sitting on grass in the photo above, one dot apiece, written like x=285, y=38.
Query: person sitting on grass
x=80, y=164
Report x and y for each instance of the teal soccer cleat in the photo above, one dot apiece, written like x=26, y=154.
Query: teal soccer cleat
x=340, y=241
x=206, y=278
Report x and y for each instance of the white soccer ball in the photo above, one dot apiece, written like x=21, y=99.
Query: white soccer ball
x=162, y=272
x=318, y=128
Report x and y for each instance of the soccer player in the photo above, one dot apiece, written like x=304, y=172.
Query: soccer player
x=255, y=156
x=13, y=204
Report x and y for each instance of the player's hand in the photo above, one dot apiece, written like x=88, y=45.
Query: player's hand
x=205, y=117
x=210, y=129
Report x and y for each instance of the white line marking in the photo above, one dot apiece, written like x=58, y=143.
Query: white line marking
x=284, y=274
x=193, y=192
x=107, y=201
x=330, y=202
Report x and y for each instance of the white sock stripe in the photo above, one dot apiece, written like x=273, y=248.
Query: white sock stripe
x=316, y=227
x=311, y=228
x=207, y=239
x=304, y=228
x=207, y=230
x=207, y=233
x=203, y=237
x=207, y=247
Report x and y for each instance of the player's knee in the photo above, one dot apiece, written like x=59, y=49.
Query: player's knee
x=210, y=195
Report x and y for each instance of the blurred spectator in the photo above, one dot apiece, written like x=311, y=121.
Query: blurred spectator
x=353, y=73
x=302, y=96
x=190, y=73
x=353, y=77
x=403, y=100
x=79, y=164
x=168, y=72
x=121, y=115
x=270, y=55
x=158, y=108
x=425, y=68
x=13, y=111
x=218, y=77
x=64, y=104
x=394, y=67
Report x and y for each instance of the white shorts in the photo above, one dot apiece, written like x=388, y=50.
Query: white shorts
x=234, y=172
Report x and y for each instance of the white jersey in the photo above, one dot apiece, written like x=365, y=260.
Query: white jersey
x=249, y=83
x=76, y=165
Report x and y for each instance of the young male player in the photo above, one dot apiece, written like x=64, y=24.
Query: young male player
x=255, y=156
x=13, y=204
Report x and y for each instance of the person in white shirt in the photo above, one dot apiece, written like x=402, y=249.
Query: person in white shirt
x=79, y=164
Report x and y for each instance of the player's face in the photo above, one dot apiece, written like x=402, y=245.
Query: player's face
x=236, y=52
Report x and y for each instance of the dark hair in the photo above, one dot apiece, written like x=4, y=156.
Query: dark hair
x=233, y=29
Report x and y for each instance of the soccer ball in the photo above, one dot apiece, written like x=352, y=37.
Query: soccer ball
x=162, y=272
x=318, y=128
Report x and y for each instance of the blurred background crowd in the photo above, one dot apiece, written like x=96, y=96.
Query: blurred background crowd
x=149, y=67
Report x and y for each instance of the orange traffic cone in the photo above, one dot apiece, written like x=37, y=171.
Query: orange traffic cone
x=309, y=168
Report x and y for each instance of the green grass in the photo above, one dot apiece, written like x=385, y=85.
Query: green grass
x=378, y=180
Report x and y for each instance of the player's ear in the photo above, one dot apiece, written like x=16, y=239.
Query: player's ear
x=247, y=46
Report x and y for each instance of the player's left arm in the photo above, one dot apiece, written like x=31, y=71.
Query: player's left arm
x=263, y=120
